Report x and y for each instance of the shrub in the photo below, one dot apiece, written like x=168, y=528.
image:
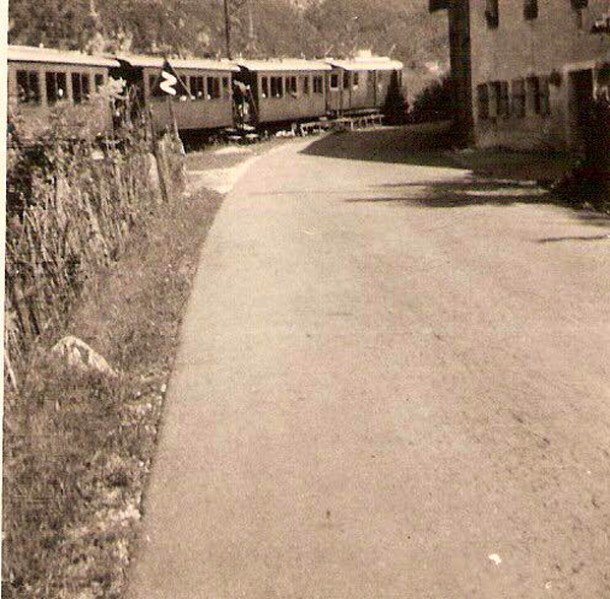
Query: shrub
x=433, y=103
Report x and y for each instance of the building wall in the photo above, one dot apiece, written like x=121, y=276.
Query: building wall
x=550, y=48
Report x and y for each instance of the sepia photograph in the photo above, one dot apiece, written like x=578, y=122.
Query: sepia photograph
x=306, y=299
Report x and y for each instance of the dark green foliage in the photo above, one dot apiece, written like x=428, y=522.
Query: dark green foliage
x=589, y=182
x=396, y=106
x=434, y=103
x=259, y=27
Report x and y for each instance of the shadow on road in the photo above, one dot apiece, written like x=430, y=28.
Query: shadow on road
x=429, y=146
x=469, y=191
x=421, y=145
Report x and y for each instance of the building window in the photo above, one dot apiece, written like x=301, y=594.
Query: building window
x=492, y=14
x=197, y=88
x=502, y=99
x=28, y=87
x=277, y=87
x=334, y=81
x=355, y=80
x=483, y=101
x=518, y=98
x=538, y=96
x=56, y=87
x=80, y=87
x=306, y=85
x=318, y=85
x=213, y=88
x=265, y=87
x=530, y=10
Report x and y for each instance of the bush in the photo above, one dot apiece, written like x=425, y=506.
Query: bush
x=433, y=103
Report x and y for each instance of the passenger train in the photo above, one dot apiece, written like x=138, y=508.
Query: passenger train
x=212, y=95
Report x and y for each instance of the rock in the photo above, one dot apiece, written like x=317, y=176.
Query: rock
x=77, y=354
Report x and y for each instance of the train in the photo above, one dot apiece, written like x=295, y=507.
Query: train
x=211, y=95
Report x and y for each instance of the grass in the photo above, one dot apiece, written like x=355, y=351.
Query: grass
x=78, y=447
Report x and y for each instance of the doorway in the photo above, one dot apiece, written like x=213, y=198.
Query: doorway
x=581, y=104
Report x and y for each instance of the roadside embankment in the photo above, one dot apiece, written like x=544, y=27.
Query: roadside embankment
x=78, y=443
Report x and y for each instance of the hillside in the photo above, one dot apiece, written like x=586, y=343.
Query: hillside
x=402, y=28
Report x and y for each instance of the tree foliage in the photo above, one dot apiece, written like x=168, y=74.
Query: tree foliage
x=261, y=28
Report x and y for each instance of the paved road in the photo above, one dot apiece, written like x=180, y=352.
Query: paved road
x=392, y=383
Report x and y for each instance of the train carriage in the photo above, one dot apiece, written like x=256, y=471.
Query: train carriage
x=204, y=100
x=361, y=84
x=43, y=79
x=287, y=90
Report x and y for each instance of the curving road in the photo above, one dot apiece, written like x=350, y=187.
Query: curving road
x=393, y=382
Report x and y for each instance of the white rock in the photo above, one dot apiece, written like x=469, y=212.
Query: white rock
x=77, y=354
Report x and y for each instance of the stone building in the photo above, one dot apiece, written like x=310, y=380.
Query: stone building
x=535, y=67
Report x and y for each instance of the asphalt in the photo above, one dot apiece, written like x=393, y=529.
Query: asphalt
x=393, y=382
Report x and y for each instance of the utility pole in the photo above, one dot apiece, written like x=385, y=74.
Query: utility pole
x=228, y=29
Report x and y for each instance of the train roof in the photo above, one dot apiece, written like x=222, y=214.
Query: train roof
x=285, y=64
x=368, y=63
x=54, y=56
x=201, y=64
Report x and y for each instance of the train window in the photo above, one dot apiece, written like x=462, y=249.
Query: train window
x=155, y=89
x=291, y=86
x=318, y=85
x=99, y=81
x=346, y=81
x=334, y=81
x=80, y=87
x=277, y=87
x=306, y=85
x=197, y=88
x=226, y=89
x=28, y=87
x=213, y=84
x=56, y=87
x=265, y=87
x=355, y=80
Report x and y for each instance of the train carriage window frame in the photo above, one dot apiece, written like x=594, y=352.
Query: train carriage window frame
x=346, y=80
x=56, y=86
x=292, y=86
x=265, y=87
x=226, y=88
x=318, y=84
x=277, y=87
x=197, y=87
x=99, y=81
x=213, y=88
x=334, y=82
x=154, y=90
x=28, y=87
x=306, y=85
x=355, y=80
x=80, y=87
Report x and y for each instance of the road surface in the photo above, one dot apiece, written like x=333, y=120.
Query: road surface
x=393, y=382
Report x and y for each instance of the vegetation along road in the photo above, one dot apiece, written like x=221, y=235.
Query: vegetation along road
x=392, y=382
